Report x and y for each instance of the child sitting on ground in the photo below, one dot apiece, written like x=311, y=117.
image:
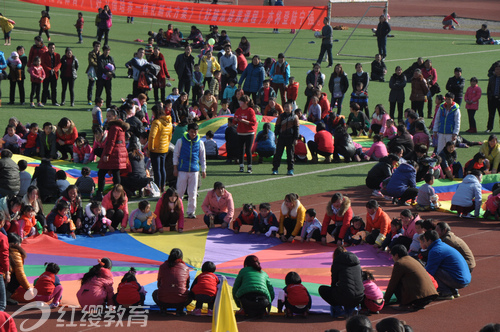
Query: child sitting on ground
x=141, y=219
x=415, y=243
x=391, y=130
x=130, y=293
x=32, y=145
x=299, y=114
x=211, y=148
x=49, y=286
x=360, y=97
x=85, y=184
x=97, y=121
x=357, y=120
x=356, y=233
x=296, y=298
x=266, y=221
x=25, y=177
x=232, y=145
x=492, y=206
x=374, y=298
x=396, y=231
x=12, y=141
x=28, y=223
x=194, y=112
x=82, y=151
x=204, y=289
x=61, y=180
x=224, y=110
x=300, y=153
x=427, y=200
x=95, y=221
x=247, y=216
x=58, y=221
x=174, y=95
x=377, y=150
x=311, y=228
x=479, y=162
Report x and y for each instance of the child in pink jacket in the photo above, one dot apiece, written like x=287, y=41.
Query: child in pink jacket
x=471, y=99
x=97, y=285
x=377, y=150
x=390, y=129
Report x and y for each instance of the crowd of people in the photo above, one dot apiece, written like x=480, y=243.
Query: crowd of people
x=131, y=141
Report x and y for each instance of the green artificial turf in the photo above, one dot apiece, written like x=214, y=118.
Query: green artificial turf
x=447, y=51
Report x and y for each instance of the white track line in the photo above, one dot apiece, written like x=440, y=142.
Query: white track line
x=289, y=177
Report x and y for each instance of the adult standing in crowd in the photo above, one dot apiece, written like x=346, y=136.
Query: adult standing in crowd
x=69, y=68
x=247, y=127
x=456, y=85
x=397, y=85
x=326, y=42
x=493, y=94
x=184, y=64
x=338, y=85
x=105, y=73
x=114, y=156
x=137, y=64
x=51, y=63
x=447, y=121
x=346, y=288
x=228, y=66
x=208, y=65
x=253, y=75
x=105, y=23
x=430, y=75
x=161, y=79
x=92, y=69
x=446, y=265
x=280, y=75
x=158, y=144
x=419, y=92
x=383, y=29
x=315, y=80
x=409, y=282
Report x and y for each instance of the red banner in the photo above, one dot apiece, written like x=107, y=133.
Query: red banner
x=285, y=17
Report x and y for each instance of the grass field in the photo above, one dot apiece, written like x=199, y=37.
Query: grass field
x=447, y=51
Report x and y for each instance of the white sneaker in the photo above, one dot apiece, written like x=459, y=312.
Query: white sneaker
x=377, y=193
x=468, y=216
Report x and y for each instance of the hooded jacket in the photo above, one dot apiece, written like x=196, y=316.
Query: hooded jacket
x=253, y=77
x=467, y=193
x=347, y=285
x=381, y=171
x=404, y=177
x=115, y=146
x=160, y=134
x=343, y=217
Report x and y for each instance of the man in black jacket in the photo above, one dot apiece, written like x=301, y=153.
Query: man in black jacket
x=104, y=81
x=184, y=68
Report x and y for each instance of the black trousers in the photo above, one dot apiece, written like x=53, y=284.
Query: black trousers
x=493, y=105
x=12, y=95
x=35, y=91
x=104, y=84
x=184, y=85
x=101, y=174
x=90, y=89
x=392, y=110
x=284, y=142
x=68, y=81
x=418, y=106
x=246, y=142
x=116, y=217
x=52, y=81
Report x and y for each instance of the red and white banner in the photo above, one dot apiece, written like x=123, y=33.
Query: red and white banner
x=285, y=17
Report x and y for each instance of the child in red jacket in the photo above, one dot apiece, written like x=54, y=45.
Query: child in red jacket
x=204, y=288
x=296, y=297
x=247, y=216
x=58, y=221
x=48, y=286
x=130, y=292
